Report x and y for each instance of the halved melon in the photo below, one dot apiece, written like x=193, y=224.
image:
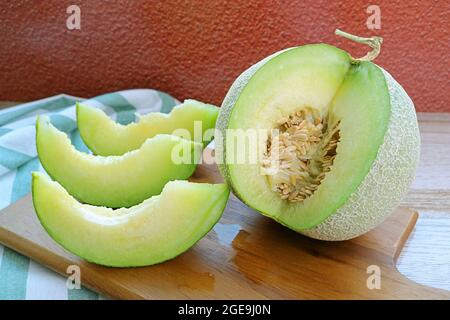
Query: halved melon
x=158, y=229
x=340, y=140
x=105, y=137
x=115, y=181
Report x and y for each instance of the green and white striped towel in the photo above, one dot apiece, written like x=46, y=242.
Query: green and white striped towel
x=20, y=277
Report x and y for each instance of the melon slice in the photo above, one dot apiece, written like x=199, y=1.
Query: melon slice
x=340, y=140
x=115, y=181
x=158, y=229
x=105, y=137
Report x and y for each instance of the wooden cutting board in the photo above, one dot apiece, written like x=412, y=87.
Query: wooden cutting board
x=245, y=256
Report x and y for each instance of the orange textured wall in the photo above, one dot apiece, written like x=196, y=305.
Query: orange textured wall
x=196, y=48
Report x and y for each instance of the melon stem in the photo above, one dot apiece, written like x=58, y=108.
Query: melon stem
x=373, y=42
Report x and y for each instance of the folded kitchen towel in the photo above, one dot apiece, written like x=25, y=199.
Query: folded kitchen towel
x=21, y=278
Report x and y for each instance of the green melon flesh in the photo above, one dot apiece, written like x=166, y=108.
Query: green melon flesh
x=105, y=137
x=158, y=229
x=379, y=141
x=115, y=181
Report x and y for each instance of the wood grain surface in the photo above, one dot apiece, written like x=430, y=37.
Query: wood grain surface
x=426, y=255
x=246, y=256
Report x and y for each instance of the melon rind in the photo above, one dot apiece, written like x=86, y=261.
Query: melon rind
x=114, y=181
x=156, y=230
x=387, y=181
x=225, y=112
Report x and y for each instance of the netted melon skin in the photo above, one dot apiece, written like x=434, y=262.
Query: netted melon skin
x=384, y=186
x=388, y=179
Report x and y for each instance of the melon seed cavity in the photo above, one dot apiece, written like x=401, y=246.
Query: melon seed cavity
x=300, y=155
